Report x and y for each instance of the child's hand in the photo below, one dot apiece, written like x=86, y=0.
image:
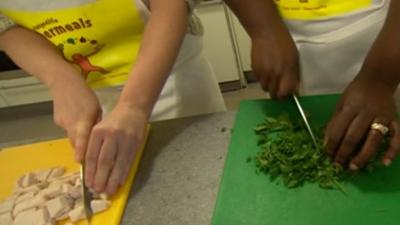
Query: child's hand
x=275, y=63
x=112, y=148
x=76, y=109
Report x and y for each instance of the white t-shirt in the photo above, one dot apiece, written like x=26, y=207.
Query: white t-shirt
x=194, y=27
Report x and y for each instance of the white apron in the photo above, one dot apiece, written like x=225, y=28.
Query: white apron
x=191, y=88
x=333, y=49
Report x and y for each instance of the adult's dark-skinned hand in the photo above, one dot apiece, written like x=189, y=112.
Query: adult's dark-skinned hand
x=275, y=62
x=366, y=100
x=275, y=59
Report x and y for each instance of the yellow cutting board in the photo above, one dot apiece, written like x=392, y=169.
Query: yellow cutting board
x=17, y=161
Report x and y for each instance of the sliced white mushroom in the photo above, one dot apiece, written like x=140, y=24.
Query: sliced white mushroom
x=52, y=191
x=63, y=216
x=55, y=173
x=66, y=188
x=35, y=202
x=6, y=218
x=41, y=216
x=77, y=214
x=51, y=223
x=78, y=182
x=33, y=217
x=42, y=175
x=27, y=180
x=75, y=192
x=25, y=218
x=59, y=206
x=23, y=207
x=33, y=188
x=104, y=196
x=24, y=197
x=39, y=200
x=46, y=196
x=71, y=178
x=78, y=202
x=7, y=205
x=99, y=205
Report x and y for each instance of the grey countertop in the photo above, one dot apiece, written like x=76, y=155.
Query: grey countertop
x=180, y=171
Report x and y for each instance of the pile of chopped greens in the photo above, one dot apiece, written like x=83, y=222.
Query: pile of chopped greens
x=287, y=151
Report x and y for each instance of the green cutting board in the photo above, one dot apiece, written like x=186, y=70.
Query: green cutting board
x=248, y=198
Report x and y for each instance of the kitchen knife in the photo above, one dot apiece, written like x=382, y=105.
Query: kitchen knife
x=87, y=195
x=305, y=120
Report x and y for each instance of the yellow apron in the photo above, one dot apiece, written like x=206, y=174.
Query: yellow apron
x=101, y=39
x=317, y=9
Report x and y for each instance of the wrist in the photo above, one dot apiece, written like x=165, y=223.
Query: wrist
x=64, y=81
x=381, y=63
x=273, y=37
x=378, y=78
x=273, y=32
x=142, y=90
x=382, y=70
x=138, y=109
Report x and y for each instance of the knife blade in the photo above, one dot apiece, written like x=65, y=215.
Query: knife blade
x=305, y=120
x=87, y=195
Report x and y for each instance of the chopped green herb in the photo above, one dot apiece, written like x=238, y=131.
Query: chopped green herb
x=288, y=152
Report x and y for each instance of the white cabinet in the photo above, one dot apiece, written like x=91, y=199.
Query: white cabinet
x=23, y=91
x=3, y=103
x=243, y=43
x=219, y=43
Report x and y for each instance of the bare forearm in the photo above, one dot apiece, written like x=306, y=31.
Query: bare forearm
x=390, y=33
x=160, y=46
x=260, y=18
x=385, y=53
x=38, y=57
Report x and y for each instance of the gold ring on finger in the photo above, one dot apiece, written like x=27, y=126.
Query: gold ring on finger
x=380, y=127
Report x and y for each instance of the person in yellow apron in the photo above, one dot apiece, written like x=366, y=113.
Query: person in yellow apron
x=141, y=65
x=332, y=46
